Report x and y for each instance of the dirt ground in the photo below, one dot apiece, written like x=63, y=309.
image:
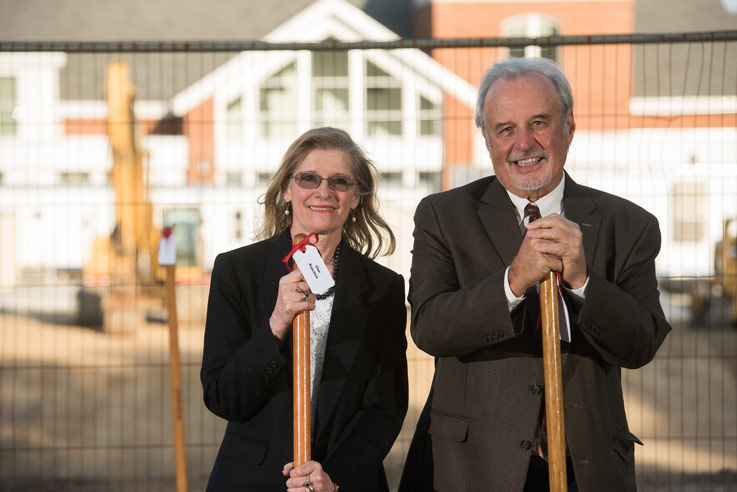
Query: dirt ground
x=87, y=410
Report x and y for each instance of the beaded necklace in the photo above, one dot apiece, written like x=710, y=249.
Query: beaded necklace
x=336, y=264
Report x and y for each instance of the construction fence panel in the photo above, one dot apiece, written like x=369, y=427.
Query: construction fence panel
x=104, y=145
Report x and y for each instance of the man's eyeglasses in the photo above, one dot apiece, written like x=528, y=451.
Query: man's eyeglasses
x=311, y=181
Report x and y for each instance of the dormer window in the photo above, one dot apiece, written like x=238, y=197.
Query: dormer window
x=234, y=118
x=330, y=85
x=320, y=89
x=531, y=26
x=277, y=103
x=431, y=117
x=383, y=102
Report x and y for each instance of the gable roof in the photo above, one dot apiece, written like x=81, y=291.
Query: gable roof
x=176, y=82
x=324, y=19
x=168, y=20
x=157, y=76
x=160, y=76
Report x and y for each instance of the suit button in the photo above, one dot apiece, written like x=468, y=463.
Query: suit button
x=526, y=445
x=536, y=389
x=594, y=327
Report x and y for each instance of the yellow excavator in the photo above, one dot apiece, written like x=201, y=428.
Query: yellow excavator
x=701, y=292
x=128, y=256
x=726, y=265
x=126, y=261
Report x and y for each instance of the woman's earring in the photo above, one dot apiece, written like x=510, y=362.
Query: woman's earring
x=286, y=210
x=353, y=216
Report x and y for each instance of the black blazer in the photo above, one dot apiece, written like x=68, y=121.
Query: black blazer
x=247, y=377
x=478, y=427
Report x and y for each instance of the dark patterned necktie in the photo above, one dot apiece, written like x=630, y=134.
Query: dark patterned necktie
x=532, y=212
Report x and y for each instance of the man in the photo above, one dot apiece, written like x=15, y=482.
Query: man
x=475, y=307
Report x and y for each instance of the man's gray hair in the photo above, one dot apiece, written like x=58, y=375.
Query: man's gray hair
x=518, y=67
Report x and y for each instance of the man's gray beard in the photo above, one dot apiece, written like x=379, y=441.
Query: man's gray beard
x=535, y=183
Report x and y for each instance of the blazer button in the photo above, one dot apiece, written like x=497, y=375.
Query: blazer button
x=526, y=445
x=536, y=389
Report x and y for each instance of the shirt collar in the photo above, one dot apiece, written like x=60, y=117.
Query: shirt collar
x=552, y=203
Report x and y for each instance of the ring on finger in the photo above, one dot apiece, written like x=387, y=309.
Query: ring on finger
x=308, y=486
x=296, y=287
x=303, y=297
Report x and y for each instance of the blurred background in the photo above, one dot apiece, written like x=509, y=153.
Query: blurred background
x=118, y=119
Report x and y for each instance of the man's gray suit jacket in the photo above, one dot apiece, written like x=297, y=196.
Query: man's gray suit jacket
x=478, y=427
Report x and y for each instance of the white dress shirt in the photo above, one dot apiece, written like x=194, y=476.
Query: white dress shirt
x=552, y=203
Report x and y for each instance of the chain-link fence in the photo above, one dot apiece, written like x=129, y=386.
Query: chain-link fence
x=84, y=374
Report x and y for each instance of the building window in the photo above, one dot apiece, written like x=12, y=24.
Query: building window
x=233, y=178
x=234, y=119
x=237, y=226
x=330, y=89
x=74, y=178
x=203, y=166
x=431, y=179
x=690, y=202
x=391, y=178
x=187, y=231
x=431, y=117
x=263, y=178
x=531, y=26
x=277, y=103
x=383, y=102
x=8, y=110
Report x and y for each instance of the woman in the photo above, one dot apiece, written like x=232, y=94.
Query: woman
x=324, y=185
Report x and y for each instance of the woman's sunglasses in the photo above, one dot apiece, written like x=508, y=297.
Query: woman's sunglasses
x=311, y=181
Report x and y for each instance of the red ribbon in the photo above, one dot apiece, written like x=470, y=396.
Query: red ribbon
x=301, y=247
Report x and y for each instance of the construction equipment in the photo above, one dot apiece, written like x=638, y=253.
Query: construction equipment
x=699, y=293
x=129, y=254
x=127, y=259
x=725, y=267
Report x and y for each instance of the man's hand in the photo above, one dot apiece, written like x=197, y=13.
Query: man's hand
x=551, y=243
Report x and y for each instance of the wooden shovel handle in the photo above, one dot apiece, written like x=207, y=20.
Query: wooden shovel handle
x=553, y=384
x=301, y=378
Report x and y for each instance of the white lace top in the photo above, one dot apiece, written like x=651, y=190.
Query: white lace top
x=319, y=324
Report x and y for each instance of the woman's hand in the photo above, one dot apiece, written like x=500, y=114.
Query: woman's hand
x=307, y=477
x=294, y=296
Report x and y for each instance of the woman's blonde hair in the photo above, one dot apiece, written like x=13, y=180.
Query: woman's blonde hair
x=367, y=233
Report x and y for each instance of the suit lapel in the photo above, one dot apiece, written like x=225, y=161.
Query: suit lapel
x=274, y=270
x=579, y=207
x=347, y=328
x=499, y=219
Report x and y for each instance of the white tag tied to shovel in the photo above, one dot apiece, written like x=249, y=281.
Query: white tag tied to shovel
x=564, y=322
x=313, y=269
